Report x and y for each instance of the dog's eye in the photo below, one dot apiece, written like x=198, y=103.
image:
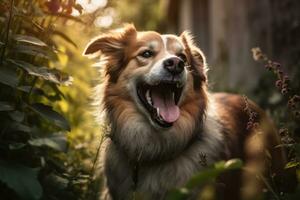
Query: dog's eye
x=147, y=54
x=182, y=57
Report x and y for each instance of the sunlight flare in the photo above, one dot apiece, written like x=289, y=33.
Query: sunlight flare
x=92, y=5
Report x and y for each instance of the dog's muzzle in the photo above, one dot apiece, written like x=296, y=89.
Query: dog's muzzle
x=161, y=89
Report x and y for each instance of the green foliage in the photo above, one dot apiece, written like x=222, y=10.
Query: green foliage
x=284, y=106
x=56, y=142
x=22, y=179
x=48, y=113
x=205, y=176
x=33, y=140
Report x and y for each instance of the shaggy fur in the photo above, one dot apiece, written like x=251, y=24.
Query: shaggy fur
x=142, y=157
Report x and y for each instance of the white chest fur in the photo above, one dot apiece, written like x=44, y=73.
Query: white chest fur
x=156, y=179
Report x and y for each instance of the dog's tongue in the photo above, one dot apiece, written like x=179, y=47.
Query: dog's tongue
x=168, y=110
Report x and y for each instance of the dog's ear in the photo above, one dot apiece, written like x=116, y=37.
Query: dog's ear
x=112, y=46
x=196, y=58
x=111, y=42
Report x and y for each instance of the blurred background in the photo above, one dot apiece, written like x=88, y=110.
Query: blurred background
x=41, y=55
x=226, y=31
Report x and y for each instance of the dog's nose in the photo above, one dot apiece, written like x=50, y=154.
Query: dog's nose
x=174, y=65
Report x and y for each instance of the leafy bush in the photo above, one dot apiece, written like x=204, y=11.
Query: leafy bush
x=33, y=141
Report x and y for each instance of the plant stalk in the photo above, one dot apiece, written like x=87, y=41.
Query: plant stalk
x=7, y=31
x=88, y=192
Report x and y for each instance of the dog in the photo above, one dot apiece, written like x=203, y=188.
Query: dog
x=162, y=118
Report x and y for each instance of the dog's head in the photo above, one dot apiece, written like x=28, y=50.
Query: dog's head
x=154, y=83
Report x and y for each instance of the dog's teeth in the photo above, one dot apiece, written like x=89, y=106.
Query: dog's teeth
x=148, y=97
x=159, y=117
x=178, y=85
x=173, y=95
x=157, y=111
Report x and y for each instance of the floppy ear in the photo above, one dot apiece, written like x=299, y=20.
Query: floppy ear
x=110, y=42
x=196, y=58
x=112, y=46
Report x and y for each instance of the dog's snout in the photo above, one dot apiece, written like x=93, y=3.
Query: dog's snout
x=174, y=65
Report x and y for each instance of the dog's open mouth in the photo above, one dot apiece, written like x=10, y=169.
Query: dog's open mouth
x=161, y=101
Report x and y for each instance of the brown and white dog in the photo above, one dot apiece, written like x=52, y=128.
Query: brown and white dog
x=162, y=118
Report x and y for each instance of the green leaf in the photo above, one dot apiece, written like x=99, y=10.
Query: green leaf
x=16, y=146
x=178, y=194
x=29, y=39
x=8, y=77
x=16, y=126
x=212, y=172
x=17, y=116
x=48, y=113
x=292, y=164
x=220, y=165
x=23, y=180
x=205, y=175
x=5, y=106
x=57, y=142
x=233, y=164
x=45, y=73
x=56, y=182
x=202, y=177
x=32, y=52
x=284, y=145
x=37, y=51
